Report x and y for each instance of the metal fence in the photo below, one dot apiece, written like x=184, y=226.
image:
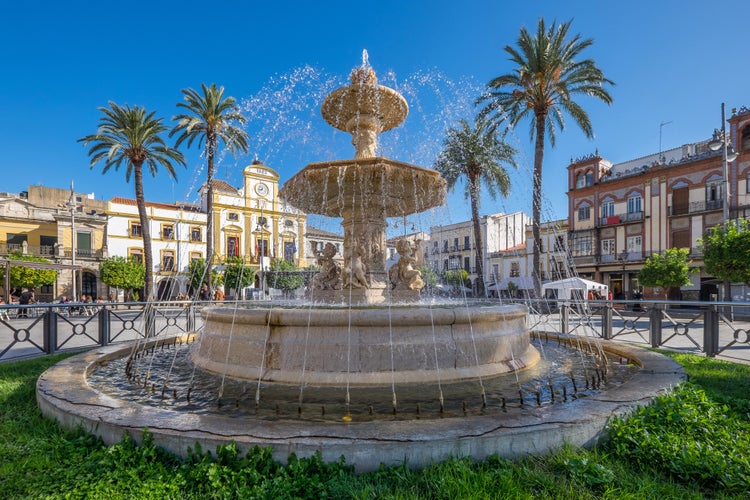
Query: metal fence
x=712, y=328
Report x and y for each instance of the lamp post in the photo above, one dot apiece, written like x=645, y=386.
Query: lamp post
x=728, y=154
x=72, y=206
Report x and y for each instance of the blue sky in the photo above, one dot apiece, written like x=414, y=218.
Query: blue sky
x=672, y=61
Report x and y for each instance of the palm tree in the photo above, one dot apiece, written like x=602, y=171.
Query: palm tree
x=132, y=136
x=541, y=87
x=210, y=118
x=476, y=153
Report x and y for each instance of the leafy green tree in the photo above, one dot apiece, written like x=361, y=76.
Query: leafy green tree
x=667, y=270
x=210, y=118
x=237, y=275
x=476, y=154
x=429, y=276
x=456, y=278
x=197, y=275
x=285, y=276
x=120, y=272
x=29, y=277
x=133, y=136
x=726, y=251
x=548, y=75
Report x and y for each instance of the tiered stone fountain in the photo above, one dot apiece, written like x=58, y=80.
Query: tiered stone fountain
x=355, y=332
x=374, y=344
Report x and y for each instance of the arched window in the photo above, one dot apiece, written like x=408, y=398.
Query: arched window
x=589, y=178
x=580, y=180
x=745, y=140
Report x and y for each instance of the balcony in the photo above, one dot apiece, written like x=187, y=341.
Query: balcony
x=40, y=251
x=621, y=218
x=697, y=207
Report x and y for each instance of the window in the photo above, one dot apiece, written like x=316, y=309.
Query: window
x=467, y=264
x=233, y=246
x=262, y=221
x=589, y=178
x=16, y=241
x=584, y=212
x=580, y=180
x=233, y=216
x=634, y=204
x=261, y=248
x=83, y=245
x=608, y=208
x=136, y=254
x=455, y=244
x=608, y=247
x=515, y=269
x=714, y=191
x=495, y=271
x=47, y=245
x=467, y=244
x=167, y=232
x=135, y=229
x=167, y=261
x=289, y=223
x=195, y=256
x=559, y=243
x=633, y=244
x=195, y=234
x=445, y=246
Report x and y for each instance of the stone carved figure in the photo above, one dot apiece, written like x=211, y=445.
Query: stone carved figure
x=354, y=271
x=329, y=276
x=403, y=276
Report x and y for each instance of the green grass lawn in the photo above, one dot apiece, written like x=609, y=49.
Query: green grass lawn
x=692, y=443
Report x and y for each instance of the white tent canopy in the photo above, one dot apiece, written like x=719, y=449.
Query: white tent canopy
x=573, y=288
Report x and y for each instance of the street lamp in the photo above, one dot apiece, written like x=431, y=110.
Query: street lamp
x=72, y=206
x=720, y=140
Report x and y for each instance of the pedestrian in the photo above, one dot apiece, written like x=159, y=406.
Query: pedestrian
x=26, y=298
x=205, y=293
x=219, y=294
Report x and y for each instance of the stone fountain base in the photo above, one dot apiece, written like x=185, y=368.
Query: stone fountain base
x=365, y=346
x=63, y=394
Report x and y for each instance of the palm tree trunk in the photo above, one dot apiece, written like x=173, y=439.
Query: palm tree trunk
x=537, y=205
x=148, y=260
x=211, y=147
x=479, y=258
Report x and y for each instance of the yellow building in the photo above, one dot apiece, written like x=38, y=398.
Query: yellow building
x=252, y=223
x=61, y=226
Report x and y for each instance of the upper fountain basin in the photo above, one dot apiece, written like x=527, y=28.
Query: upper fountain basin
x=334, y=188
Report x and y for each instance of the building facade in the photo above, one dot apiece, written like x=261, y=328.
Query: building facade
x=62, y=226
x=178, y=236
x=621, y=214
x=452, y=246
x=253, y=223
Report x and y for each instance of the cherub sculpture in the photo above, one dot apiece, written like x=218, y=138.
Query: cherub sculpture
x=403, y=276
x=329, y=276
x=354, y=271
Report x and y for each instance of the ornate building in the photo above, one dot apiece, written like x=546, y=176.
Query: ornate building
x=62, y=226
x=621, y=214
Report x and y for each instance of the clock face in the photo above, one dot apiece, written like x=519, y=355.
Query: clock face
x=261, y=189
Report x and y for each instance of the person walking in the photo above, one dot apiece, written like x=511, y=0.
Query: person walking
x=205, y=293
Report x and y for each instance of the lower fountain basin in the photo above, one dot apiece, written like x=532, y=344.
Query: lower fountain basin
x=365, y=346
x=64, y=394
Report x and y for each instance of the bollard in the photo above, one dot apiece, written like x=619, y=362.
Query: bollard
x=49, y=323
x=711, y=331
x=103, y=326
x=607, y=321
x=654, y=319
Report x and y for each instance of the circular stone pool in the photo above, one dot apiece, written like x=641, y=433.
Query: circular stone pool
x=65, y=394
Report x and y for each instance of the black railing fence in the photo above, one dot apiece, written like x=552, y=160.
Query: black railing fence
x=712, y=328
